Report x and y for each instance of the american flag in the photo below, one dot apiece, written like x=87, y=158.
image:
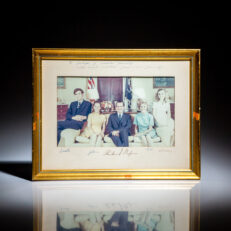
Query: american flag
x=128, y=91
x=92, y=88
x=91, y=83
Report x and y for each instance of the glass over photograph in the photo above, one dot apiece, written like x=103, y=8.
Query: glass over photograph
x=115, y=111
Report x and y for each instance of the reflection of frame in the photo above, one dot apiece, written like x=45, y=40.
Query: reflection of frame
x=72, y=206
x=163, y=82
x=61, y=82
x=81, y=158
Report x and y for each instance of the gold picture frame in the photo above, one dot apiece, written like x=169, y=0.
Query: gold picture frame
x=181, y=161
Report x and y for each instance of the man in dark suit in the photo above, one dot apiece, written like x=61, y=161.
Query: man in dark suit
x=76, y=115
x=119, y=125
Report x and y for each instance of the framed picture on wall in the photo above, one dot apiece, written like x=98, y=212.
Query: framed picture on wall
x=163, y=81
x=116, y=114
x=61, y=82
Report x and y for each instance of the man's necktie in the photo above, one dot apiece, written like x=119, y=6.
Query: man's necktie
x=78, y=105
x=120, y=117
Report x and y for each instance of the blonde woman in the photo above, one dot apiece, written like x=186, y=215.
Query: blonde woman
x=162, y=116
x=95, y=126
x=144, y=126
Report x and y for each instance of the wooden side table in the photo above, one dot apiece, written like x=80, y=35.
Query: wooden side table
x=62, y=111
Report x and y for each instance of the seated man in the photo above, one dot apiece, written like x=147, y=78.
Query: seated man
x=76, y=115
x=119, y=125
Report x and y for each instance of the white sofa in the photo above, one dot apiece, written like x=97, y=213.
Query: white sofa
x=68, y=139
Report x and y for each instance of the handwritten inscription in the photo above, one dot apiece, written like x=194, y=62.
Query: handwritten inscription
x=64, y=150
x=92, y=65
x=92, y=152
x=165, y=150
x=122, y=151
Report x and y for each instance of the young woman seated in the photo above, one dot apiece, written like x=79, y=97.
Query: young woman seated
x=144, y=126
x=94, y=132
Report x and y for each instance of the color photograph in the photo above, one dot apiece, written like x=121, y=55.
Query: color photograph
x=115, y=111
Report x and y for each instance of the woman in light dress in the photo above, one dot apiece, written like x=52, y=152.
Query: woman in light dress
x=95, y=127
x=162, y=116
x=144, y=126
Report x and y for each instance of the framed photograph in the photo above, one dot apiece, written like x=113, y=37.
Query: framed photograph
x=163, y=81
x=116, y=114
x=61, y=82
x=136, y=206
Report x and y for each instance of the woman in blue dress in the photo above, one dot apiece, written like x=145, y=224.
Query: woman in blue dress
x=144, y=126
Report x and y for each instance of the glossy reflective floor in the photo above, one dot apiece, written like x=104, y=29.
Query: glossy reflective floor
x=110, y=205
